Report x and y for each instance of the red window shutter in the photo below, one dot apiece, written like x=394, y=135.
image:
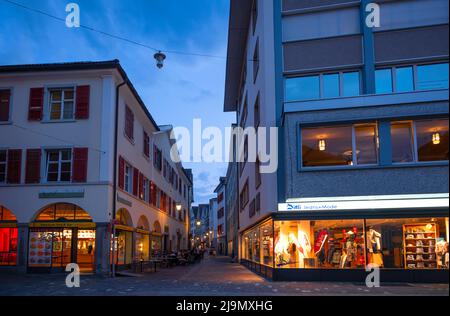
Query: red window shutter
x=80, y=164
x=129, y=123
x=121, y=173
x=82, y=105
x=135, y=181
x=141, y=186
x=14, y=166
x=146, y=145
x=5, y=96
x=33, y=166
x=152, y=194
x=36, y=104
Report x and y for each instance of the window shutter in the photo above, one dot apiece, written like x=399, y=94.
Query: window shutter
x=36, y=104
x=5, y=96
x=146, y=145
x=121, y=173
x=82, y=105
x=141, y=186
x=33, y=166
x=80, y=164
x=14, y=166
x=135, y=181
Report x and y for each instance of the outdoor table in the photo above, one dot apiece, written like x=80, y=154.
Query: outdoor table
x=155, y=262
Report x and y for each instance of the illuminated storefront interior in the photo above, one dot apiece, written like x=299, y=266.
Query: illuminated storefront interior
x=61, y=234
x=348, y=244
x=156, y=240
x=143, y=240
x=123, y=239
x=8, y=237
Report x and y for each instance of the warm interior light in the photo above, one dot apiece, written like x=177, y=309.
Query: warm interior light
x=322, y=145
x=436, y=138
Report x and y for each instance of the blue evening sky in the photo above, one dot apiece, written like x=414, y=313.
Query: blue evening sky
x=186, y=88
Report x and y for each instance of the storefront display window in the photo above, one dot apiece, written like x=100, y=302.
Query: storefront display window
x=408, y=243
x=123, y=247
x=334, y=244
x=8, y=246
x=142, y=246
x=257, y=244
x=8, y=237
x=62, y=234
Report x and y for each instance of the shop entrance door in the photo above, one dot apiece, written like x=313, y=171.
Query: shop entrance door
x=85, y=250
x=62, y=248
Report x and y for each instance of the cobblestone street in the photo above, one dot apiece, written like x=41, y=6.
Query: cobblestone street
x=212, y=277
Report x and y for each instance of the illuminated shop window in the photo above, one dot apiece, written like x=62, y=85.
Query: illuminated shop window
x=333, y=244
x=63, y=212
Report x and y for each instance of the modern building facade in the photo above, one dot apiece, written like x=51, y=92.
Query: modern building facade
x=362, y=117
x=220, y=229
x=77, y=185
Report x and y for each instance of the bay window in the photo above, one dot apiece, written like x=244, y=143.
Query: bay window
x=59, y=165
x=340, y=145
x=61, y=104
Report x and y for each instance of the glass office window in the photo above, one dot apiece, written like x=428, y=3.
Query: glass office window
x=383, y=81
x=351, y=84
x=366, y=139
x=432, y=76
x=303, y=88
x=402, y=142
x=331, y=86
x=327, y=146
x=432, y=140
x=404, y=79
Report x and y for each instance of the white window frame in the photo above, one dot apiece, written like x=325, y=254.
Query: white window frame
x=6, y=165
x=128, y=178
x=49, y=103
x=60, y=162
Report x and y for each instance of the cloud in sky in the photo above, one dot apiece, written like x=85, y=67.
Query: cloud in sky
x=186, y=88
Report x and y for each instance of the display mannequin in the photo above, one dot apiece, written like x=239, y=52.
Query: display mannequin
x=374, y=247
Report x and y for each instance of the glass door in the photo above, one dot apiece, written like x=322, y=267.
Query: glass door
x=86, y=250
x=62, y=248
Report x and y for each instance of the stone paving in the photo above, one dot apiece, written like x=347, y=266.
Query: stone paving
x=212, y=277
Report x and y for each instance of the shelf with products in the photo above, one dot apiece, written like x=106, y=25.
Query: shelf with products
x=419, y=243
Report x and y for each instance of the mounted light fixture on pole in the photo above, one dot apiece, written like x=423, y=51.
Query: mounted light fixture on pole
x=178, y=206
x=159, y=57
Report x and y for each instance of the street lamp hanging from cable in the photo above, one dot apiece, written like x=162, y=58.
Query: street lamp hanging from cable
x=159, y=57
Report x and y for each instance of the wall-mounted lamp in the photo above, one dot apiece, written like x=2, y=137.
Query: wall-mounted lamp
x=178, y=206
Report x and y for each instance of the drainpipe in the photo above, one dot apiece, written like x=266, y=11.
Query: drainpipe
x=114, y=201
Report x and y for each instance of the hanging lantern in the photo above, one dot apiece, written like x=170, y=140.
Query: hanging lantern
x=159, y=57
x=322, y=145
x=436, y=138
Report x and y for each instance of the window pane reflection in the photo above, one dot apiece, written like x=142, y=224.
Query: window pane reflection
x=432, y=77
x=331, y=86
x=405, y=81
x=383, y=81
x=303, y=88
x=351, y=86
x=402, y=142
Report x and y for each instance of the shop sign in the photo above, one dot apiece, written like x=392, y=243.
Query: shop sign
x=8, y=225
x=364, y=204
x=142, y=231
x=123, y=227
x=63, y=225
x=61, y=194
